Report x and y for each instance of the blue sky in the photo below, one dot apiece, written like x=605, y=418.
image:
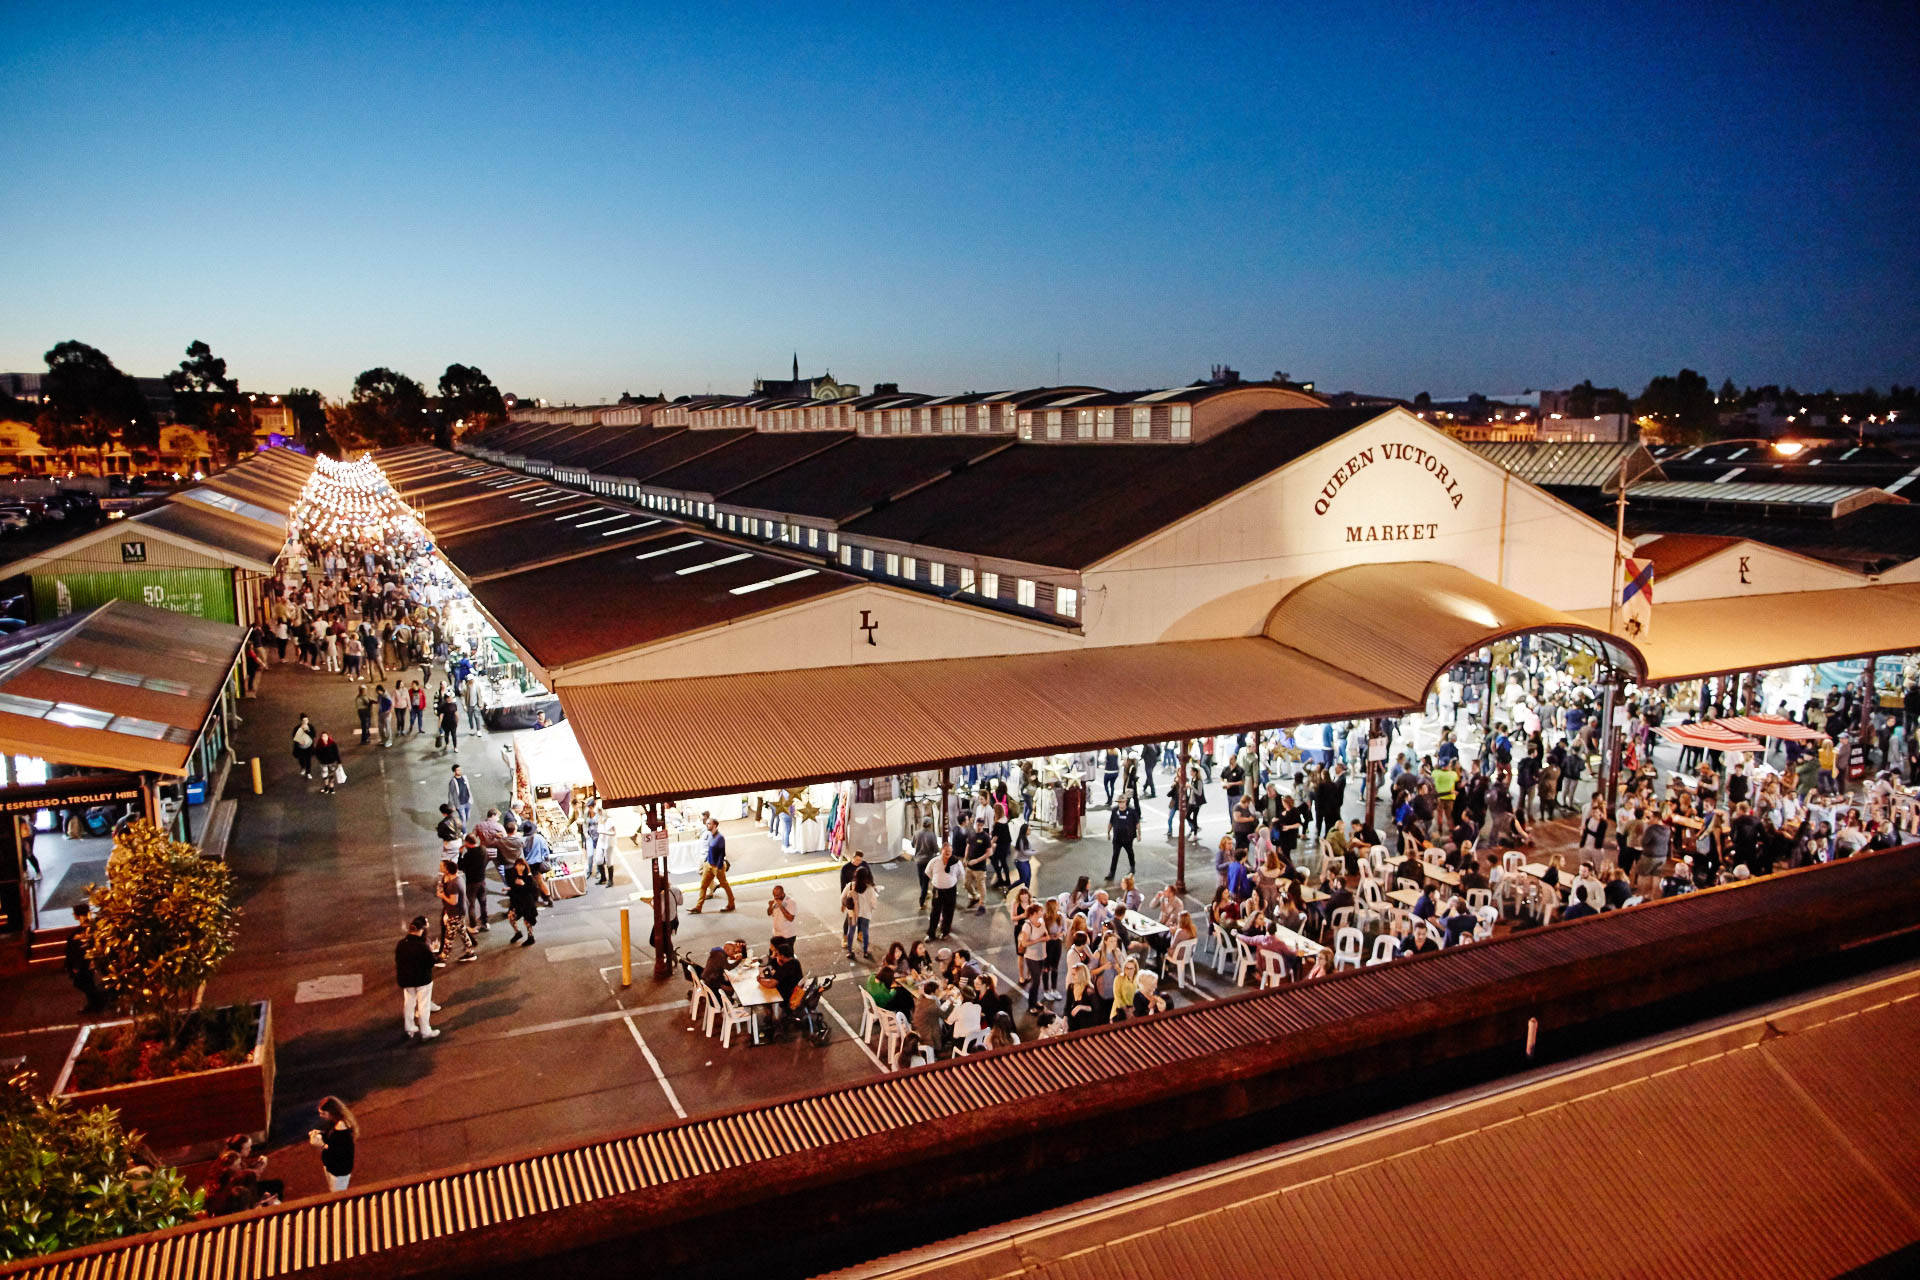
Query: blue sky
x=1390, y=198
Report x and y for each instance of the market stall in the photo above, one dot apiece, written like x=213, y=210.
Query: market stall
x=553, y=786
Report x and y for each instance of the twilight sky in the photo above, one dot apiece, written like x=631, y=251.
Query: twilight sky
x=1389, y=198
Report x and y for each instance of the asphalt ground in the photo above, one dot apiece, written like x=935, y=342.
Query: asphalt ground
x=540, y=1045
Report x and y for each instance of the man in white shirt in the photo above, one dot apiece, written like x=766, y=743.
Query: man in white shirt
x=943, y=878
x=784, y=912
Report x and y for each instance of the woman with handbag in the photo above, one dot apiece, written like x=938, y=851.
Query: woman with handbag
x=303, y=746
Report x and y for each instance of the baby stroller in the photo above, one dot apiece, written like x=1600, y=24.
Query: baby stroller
x=807, y=1017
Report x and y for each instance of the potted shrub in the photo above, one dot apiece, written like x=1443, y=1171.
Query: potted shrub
x=70, y=1177
x=185, y=1076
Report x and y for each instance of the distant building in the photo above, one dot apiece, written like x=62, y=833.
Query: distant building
x=820, y=388
x=1586, y=414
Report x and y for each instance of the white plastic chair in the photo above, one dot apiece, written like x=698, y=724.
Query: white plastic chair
x=1273, y=969
x=1244, y=962
x=1223, y=945
x=699, y=1002
x=869, y=1016
x=1180, y=961
x=1346, y=917
x=1488, y=917
x=1371, y=895
x=1346, y=949
x=1512, y=861
x=1478, y=898
x=1385, y=948
x=1377, y=861
x=1434, y=857
x=731, y=1014
x=1401, y=882
x=974, y=1043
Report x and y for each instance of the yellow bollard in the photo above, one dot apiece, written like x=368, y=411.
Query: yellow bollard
x=256, y=775
x=626, y=950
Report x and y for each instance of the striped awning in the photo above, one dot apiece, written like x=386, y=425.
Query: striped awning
x=1770, y=727
x=1708, y=737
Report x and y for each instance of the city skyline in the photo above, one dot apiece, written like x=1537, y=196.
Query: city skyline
x=583, y=205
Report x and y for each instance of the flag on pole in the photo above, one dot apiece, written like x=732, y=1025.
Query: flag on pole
x=1636, y=597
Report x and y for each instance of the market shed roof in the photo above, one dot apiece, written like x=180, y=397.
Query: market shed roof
x=1690, y=638
x=1573, y=464
x=1764, y=1126
x=547, y=536
x=613, y=452
x=239, y=540
x=122, y=686
x=484, y=510
x=671, y=584
x=862, y=474
x=753, y=457
x=1071, y=505
x=664, y=455
x=1403, y=624
x=678, y=739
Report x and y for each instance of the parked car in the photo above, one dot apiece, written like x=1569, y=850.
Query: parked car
x=12, y=518
x=153, y=480
x=81, y=505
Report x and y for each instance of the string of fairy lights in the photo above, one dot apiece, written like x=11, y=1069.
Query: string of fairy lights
x=350, y=502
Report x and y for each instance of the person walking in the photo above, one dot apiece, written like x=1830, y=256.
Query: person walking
x=597, y=837
x=713, y=872
x=1123, y=824
x=926, y=847
x=79, y=961
x=472, y=860
x=460, y=796
x=523, y=899
x=413, y=971
x=335, y=1138
x=417, y=723
x=474, y=700
x=363, y=708
x=452, y=892
x=326, y=754
x=303, y=738
x=383, y=701
x=449, y=713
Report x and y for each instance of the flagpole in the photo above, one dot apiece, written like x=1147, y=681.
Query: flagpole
x=1619, y=536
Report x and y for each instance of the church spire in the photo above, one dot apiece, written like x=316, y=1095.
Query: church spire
x=796, y=366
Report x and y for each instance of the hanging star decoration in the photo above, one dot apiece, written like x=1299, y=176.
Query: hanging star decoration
x=784, y=805
x=809, y=812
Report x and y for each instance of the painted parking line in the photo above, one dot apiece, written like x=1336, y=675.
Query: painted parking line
x=658, y=1074
x=848, y=1028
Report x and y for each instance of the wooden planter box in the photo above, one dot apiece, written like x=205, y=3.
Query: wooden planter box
x=186, y=1118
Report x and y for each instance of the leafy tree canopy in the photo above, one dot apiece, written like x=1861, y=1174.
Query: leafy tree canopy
x=162, y=924
x=71, y=1177
x=90, y=403
x=387, y=408
x=467, y=396
x=205, y=397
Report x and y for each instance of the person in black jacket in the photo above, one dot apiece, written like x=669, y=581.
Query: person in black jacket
x=335, y=1138
x=1123, y=825
x=1329, y=797
x=473, y=866
x=413, y=973
x=80, y=964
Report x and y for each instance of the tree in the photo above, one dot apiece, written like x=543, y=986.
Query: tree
x=1423, y=401
x=205, y=397
x=90, y=403
x=388, y=408
x=1729, y=394
x=467, y=396
x=310, y=419
x=162, y=924
x=1682, y=404
x=70, y=1178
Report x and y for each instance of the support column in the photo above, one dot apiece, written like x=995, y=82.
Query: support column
x=1615, y=737
x=662, y=936
x=1375, y=728
x=1179, y=795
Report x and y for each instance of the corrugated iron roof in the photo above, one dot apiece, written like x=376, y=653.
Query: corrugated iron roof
x=1673, y=552
x=678, y=739
x=1828, y=500
x=123, y=687
x=1765, y=1149
x=1690, y=638
x=1582, y=465
x=1403, y=624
